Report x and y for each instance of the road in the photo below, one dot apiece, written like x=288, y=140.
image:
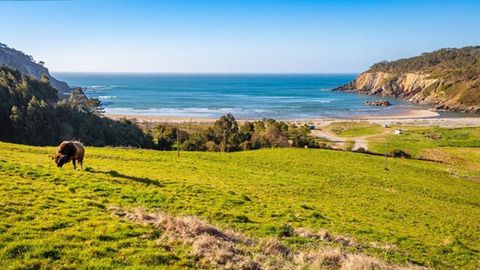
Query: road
x=339, y=142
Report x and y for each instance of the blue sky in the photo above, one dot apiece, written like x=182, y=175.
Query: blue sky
x=233, y=36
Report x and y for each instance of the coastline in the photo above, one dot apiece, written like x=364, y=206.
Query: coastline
x=407, y=117
x=404, y=114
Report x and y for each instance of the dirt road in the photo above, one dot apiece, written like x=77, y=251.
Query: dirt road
x=339, y=142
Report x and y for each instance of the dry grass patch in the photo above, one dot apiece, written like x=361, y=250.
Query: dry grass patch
x=227, y=249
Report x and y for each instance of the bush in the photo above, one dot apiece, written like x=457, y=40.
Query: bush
x=212, y=146
x=165, y=136
x=349, y=145
x=196, y=142
x=361, y=150
x=400, y=154
x=246, y=145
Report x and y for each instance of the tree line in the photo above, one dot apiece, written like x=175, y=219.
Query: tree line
x=456, y=64
x=227, y=135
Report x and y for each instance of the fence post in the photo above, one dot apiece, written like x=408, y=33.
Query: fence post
x=178, y=141
x=386, y=165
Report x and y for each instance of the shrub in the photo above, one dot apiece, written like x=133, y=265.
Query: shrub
x=400, y=154
x=212, y=146
x=361, y=150
x=196, y=142
x=165, y=136
x=349, y=145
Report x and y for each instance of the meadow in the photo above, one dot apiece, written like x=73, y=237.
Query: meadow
x=457, y=148
x=353, y=129
x=416, y=139
x=416, y=212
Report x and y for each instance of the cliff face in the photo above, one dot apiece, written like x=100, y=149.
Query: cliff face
x=25, y=64
x=450, y=81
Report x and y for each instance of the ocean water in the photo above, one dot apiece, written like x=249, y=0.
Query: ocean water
x=284, y=97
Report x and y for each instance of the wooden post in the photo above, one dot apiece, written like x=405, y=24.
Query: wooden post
x=178, y=141
x=385, y=166
x=224, y=142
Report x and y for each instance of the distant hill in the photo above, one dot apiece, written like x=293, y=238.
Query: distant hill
x=447, y=78
x=25, y=64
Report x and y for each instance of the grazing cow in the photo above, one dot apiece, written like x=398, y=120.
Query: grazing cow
x=70, y=151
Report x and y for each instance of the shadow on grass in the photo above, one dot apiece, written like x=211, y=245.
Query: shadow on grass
x=114, y=173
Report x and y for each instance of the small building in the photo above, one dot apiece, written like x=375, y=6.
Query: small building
x=311, y=127
x=398, y=131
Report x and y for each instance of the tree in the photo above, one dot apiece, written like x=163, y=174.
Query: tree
x=165, y=136
x=300, y=137
x=226, y=132
x=196, y=142
x=246, y=131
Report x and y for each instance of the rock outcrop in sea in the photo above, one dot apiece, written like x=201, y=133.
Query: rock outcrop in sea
x=381, y=102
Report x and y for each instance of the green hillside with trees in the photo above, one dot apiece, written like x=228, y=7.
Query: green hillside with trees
x=448, y=79
x=31, y=113
x=456, y=64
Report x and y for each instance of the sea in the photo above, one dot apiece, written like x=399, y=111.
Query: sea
x=246, y=96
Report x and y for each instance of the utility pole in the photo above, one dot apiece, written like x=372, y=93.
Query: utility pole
x=385, y=166
x=224, y=141
x=178, y=141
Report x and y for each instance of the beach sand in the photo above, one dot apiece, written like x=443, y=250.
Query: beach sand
x=161, y=119
x=405, y=114
x=407, y=117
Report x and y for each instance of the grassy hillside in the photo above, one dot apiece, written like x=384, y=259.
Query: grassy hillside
x=415, y=140
x=416, y=212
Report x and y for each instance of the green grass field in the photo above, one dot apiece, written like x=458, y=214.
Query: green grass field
x=457, y=148
x=415, y=140
x=354, y=129
x=59, y=218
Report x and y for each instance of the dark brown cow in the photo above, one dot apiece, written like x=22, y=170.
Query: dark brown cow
x=70, y=151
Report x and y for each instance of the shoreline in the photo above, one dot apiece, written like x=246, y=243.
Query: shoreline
x=405, y=114
x=407, y=117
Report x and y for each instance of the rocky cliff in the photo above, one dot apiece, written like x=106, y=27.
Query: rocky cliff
x=448, y=79
x=25, y=64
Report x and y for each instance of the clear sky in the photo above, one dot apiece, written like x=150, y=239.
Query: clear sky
x=297, y=36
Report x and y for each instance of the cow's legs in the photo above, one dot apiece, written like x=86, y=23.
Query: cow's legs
x=74, y=164
x=80, y=161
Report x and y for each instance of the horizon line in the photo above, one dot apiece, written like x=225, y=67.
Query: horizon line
x=207, y=73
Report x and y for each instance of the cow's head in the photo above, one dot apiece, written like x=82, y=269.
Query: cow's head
x=60, y=159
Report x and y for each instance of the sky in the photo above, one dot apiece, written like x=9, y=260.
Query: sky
x=230, y=36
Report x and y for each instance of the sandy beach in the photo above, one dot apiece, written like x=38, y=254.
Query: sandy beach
x=160, y=119
x=408, y=117
x=405, y=114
